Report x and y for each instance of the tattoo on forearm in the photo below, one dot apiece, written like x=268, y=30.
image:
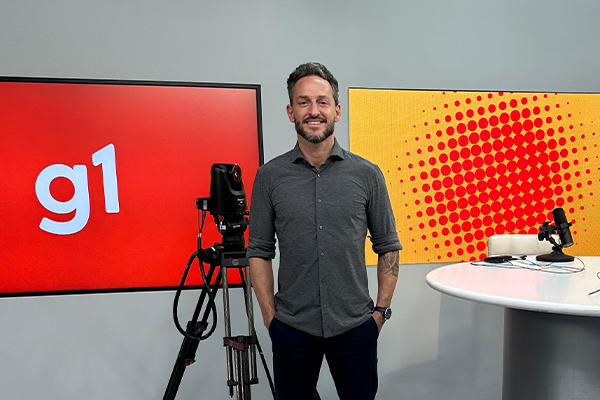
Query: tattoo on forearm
x=388, y=263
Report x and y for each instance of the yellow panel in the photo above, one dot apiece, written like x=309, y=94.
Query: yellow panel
x=462, y=166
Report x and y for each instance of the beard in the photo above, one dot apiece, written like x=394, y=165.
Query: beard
x=315, y=138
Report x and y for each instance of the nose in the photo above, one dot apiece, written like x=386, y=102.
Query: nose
x=313, y=110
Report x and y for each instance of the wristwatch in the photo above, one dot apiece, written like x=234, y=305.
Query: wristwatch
x=385, y=311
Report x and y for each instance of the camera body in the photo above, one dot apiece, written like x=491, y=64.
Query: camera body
x=227, y=195
x=227, y=203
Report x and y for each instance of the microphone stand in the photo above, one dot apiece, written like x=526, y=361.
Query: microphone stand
x=557, y=255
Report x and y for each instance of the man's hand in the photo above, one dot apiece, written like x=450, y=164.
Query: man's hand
x=379, y=320
x=267, y=320
x=262, y=282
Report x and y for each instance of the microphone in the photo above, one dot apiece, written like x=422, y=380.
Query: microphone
x=560, y=220
x=560, y=227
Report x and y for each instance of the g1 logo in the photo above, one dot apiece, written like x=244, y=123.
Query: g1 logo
x=80, y=202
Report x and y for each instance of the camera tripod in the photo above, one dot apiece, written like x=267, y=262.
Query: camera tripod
x=240, y=350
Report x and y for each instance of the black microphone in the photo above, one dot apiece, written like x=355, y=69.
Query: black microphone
x=560, y=220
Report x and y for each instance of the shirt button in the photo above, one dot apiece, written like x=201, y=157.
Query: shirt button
x=319, y=200
x=320, y=226
x=318, y=175
x=324, y=305
x=322, y=254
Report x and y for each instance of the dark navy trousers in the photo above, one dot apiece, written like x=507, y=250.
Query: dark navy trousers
x=351, y=356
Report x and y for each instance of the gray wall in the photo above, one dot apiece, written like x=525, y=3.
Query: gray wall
x=123, y=346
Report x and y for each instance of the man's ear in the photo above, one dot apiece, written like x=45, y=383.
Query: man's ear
x=290, y=113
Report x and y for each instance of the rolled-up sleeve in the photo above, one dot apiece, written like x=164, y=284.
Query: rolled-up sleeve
x=382, y=225
x=261, y=238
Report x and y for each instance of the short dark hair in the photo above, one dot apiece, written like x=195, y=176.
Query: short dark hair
x=310, y=69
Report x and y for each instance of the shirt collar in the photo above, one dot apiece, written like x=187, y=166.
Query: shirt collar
x=336, y=152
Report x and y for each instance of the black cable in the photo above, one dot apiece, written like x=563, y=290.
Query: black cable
x=205, y=289
x=541, y=268
x=597, y=290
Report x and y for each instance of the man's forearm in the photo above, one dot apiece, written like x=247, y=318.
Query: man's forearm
x=261, y=271
x=387, y=276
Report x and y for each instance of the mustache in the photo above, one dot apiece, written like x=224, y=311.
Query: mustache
x=314, y=117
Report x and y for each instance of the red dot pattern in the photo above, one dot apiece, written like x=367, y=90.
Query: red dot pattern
x=497, y=169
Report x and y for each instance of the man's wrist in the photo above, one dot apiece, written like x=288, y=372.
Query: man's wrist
x=386, y=312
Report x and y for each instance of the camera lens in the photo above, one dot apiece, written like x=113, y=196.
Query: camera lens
x=237, y=173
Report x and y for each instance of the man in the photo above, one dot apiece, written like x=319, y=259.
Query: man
x=320, y=200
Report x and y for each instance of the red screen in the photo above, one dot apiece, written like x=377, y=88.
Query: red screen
x=100, y=178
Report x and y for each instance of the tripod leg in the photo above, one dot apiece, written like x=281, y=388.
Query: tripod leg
x=187, y=352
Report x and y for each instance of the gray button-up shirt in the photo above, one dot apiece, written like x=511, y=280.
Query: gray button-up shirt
x=321, y=219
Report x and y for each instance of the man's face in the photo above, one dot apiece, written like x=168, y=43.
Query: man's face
x=313, y=110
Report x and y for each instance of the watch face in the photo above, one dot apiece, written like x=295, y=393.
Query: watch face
x=385, y=311
x=388, y=313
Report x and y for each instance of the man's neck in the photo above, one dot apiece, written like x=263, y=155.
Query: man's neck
x=316, y=153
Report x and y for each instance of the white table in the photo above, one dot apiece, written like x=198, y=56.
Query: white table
x=551, y=329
